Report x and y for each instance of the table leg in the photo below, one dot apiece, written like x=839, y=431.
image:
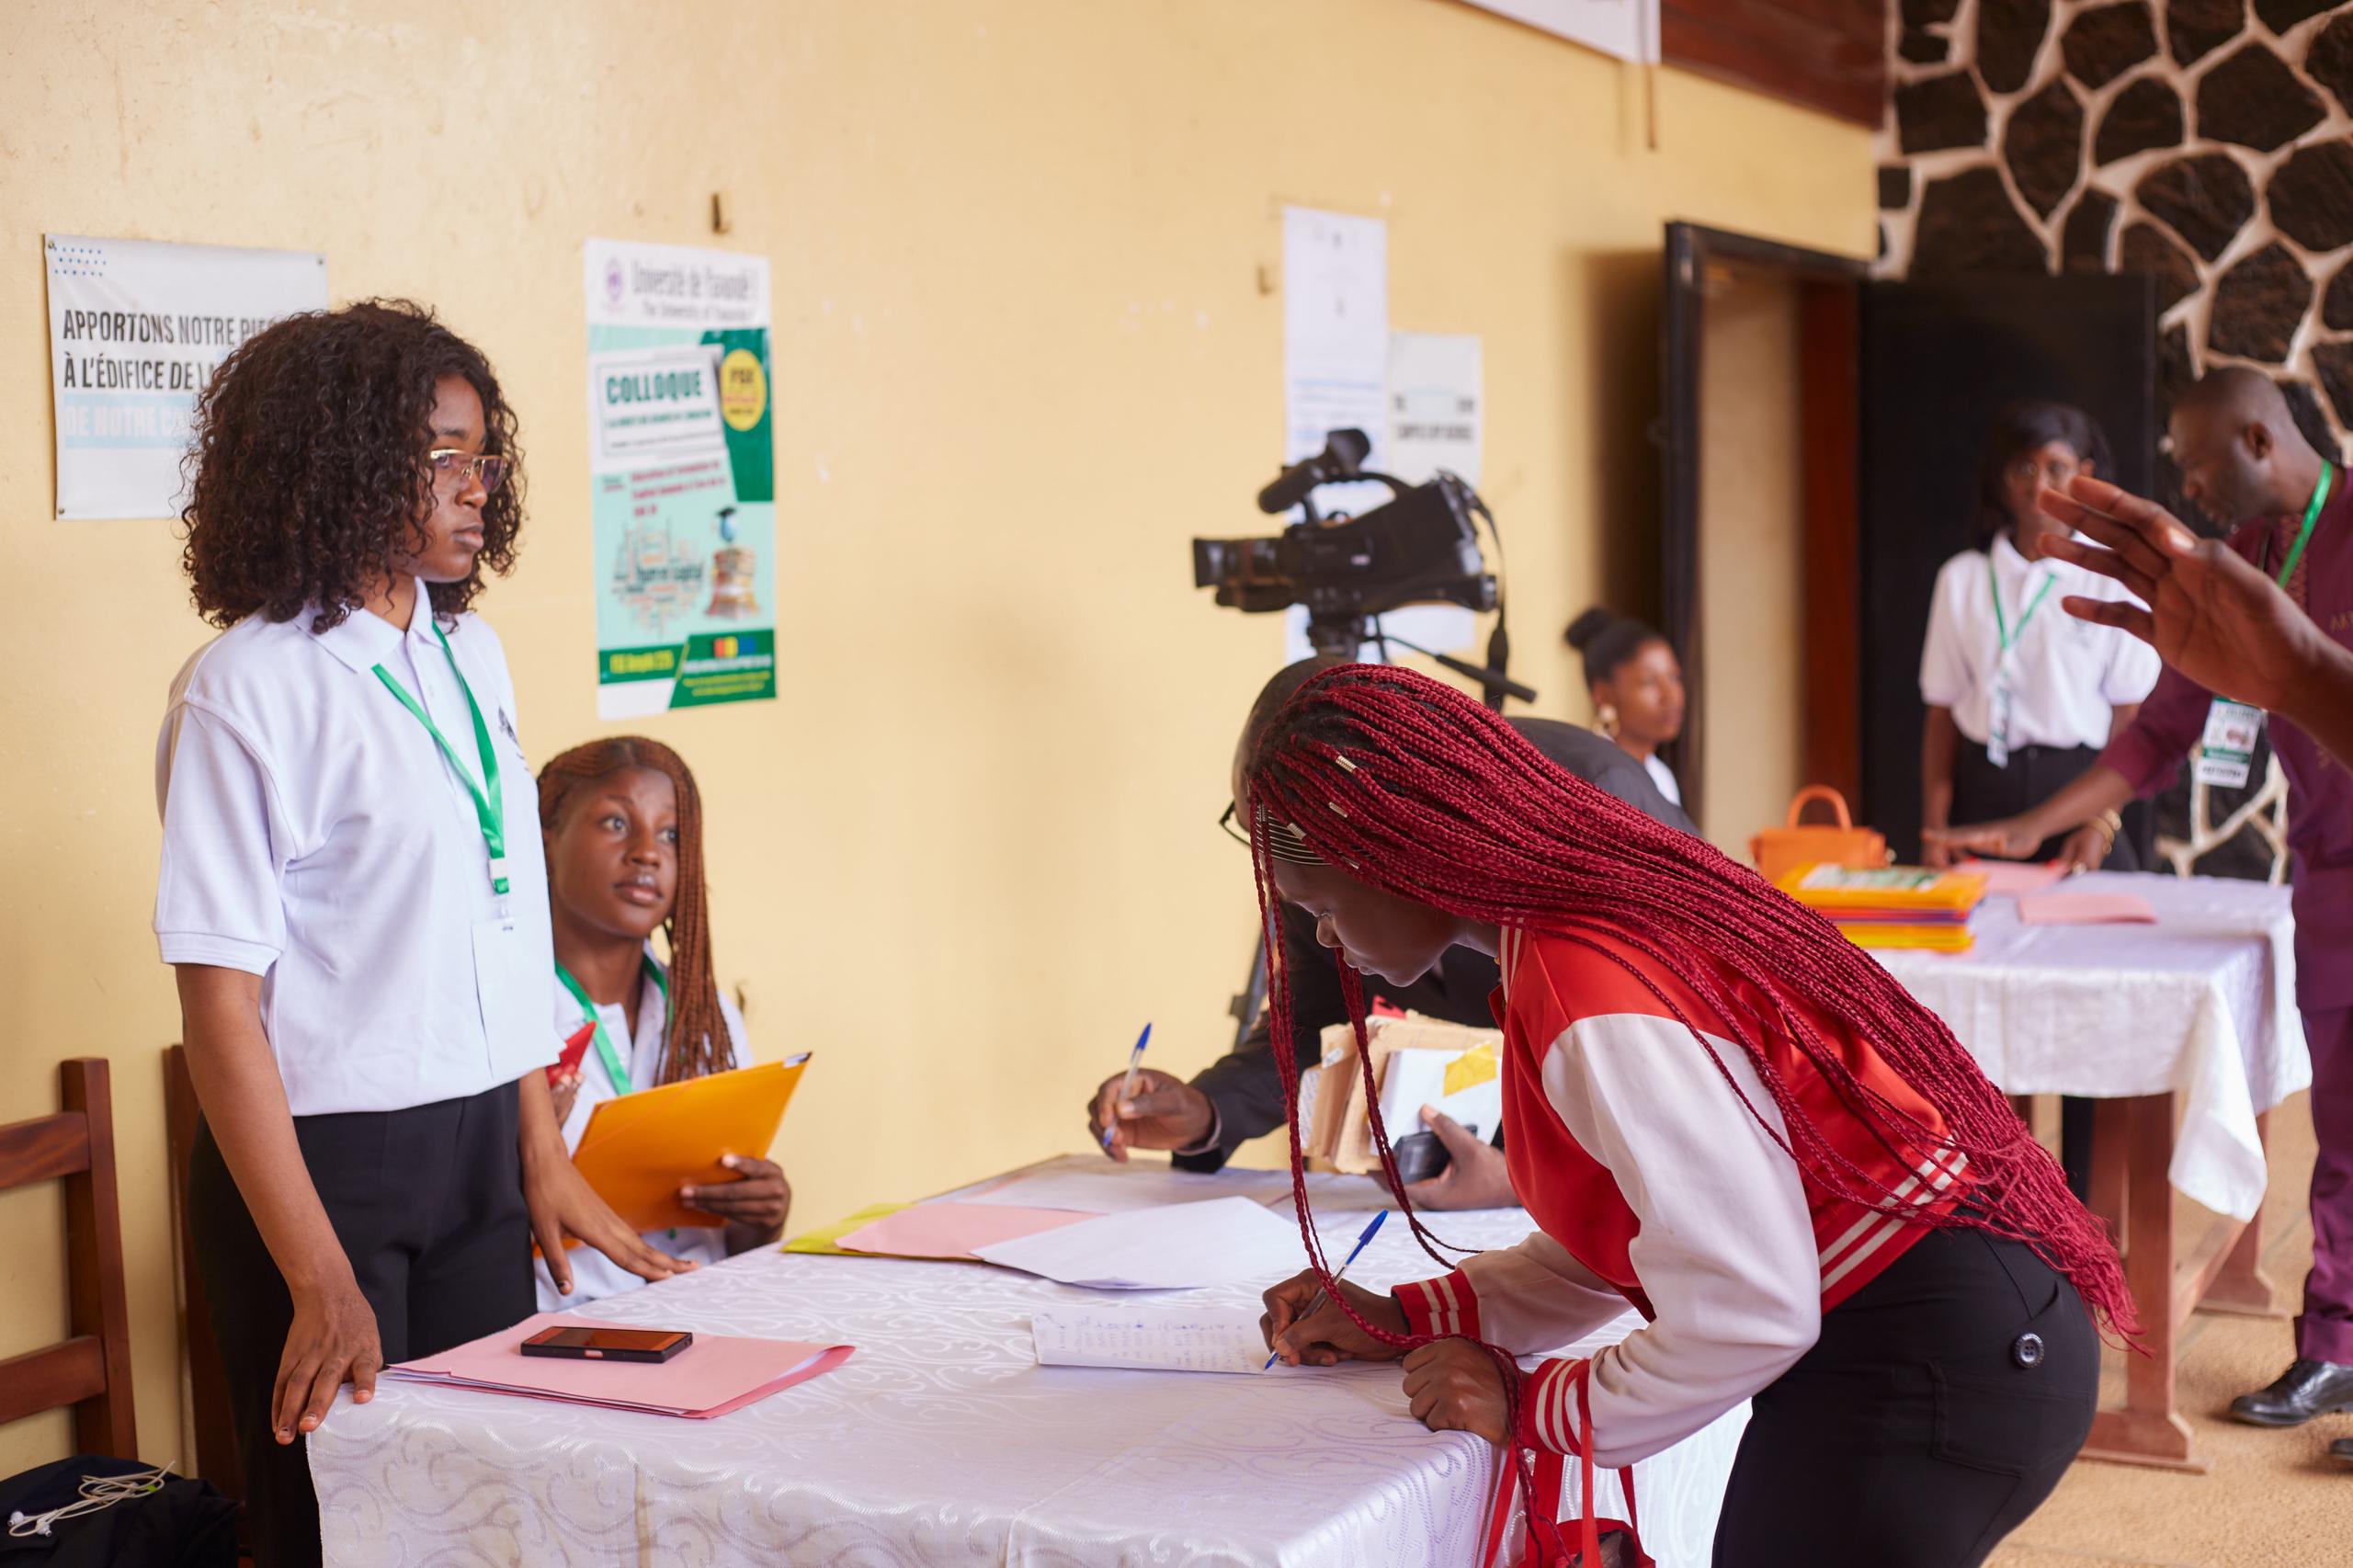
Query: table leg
x=2111, y=1164
x=2241, y=1286
x=2148, y=1430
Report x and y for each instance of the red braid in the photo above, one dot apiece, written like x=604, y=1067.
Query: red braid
x=1412, y=787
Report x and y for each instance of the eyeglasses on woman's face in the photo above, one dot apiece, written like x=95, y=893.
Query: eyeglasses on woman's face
x=454, y=470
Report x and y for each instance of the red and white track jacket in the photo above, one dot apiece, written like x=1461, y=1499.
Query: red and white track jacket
x=1652, y=1183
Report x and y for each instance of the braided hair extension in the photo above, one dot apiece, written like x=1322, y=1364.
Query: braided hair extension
x=698, y=1043
x=1412, y=787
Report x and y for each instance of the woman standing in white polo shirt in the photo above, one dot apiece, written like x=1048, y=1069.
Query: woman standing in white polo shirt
x=2020, y=695
x=352, y=893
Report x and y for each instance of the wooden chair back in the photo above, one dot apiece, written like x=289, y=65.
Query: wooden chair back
x=90, y=1371
x=218, y=1459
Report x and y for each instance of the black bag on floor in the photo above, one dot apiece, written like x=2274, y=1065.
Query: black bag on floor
x=178, y=1524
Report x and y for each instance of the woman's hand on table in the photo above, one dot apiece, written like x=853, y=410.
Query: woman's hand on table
x=332, y=1341
x=1163, y=1112
x=2012, y=838
x=1454, y=1385
x=561, y=1204
x=754, y=1205
x=1305, y=1329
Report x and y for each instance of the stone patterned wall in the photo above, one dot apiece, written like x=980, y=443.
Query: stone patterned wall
x=2209, y=142
x=2205, y=141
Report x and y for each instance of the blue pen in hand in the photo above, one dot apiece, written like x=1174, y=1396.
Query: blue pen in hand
x=1127, y=1087
x=1340, y=1273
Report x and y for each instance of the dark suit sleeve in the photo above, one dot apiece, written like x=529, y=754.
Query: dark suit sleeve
x=1244, y=1084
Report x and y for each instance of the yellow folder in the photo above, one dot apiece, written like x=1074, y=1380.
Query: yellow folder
x=640, y=1148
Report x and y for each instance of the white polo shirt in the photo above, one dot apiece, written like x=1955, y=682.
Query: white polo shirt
x=2068, y=676
x=595, y=1276
x=314, y=836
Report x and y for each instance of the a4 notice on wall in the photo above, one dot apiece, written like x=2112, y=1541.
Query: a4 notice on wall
x=2203, y=142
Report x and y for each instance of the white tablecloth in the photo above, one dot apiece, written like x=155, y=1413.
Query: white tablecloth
x=942, y=1442
x=2203, y=1003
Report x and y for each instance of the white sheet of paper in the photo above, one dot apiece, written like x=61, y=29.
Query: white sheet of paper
x=1150, y=1338
x=1412, y=1079
x=1223, y=1241
x=1105, y=1192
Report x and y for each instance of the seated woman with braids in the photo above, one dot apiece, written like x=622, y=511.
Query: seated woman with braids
x=622, y=822
x=1716, y=1110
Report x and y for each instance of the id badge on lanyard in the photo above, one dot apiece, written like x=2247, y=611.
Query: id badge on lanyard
x=2227, y=750
x=2004, y=700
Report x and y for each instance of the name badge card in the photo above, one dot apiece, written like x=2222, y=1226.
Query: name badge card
x=2226, y=753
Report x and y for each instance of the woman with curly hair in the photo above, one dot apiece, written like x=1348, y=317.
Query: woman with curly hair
x=349, y=893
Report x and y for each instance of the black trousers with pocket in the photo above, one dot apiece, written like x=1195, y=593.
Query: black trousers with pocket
x=428, y=1205
x=1982, y=793
x=1940, y=1407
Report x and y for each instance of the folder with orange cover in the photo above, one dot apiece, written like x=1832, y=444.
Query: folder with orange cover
x=640, y=1148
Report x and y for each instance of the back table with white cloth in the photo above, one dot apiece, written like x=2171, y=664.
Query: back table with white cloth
x=940, y=1441
x=2190, y=1021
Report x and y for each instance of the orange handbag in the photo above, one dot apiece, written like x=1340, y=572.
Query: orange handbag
x=1779, y=850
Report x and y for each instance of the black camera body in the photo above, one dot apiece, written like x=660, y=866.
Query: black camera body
x=1419, y=547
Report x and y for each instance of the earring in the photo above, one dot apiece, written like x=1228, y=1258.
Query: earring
x=1606, y=720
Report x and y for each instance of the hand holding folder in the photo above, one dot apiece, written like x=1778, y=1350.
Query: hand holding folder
x=640, y=1148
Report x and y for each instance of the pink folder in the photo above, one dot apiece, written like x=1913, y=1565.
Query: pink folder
x=2086, y=909
x=953, y=1230
x=714, y=1375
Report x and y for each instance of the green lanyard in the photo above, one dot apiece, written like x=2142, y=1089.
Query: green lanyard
x=615, y=1068
x=2311, y=515
x=2001, y=626
x=490, y=805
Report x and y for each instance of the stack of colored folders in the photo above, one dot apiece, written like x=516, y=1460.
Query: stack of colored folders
x=1892, y=907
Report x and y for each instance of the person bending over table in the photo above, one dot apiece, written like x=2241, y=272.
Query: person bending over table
x=2243, y=463
x=1717, y=1111
x=1239, y=1095
x=622, y=823
x=349, y=893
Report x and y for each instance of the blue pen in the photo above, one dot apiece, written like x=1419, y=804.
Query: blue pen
x=1127, y=1086
x=1340, y=1273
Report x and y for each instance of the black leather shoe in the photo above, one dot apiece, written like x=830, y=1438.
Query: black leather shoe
x=2305, y=1389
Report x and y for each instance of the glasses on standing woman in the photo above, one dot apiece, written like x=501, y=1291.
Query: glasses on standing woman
x=453, y=469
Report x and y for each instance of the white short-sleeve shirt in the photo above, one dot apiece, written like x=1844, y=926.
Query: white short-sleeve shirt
x=595, y=1276
x=2068, y=676
x=314, y=836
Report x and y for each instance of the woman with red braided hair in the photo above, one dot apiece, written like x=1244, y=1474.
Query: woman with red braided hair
x=621, y=821
x=1716, y=1109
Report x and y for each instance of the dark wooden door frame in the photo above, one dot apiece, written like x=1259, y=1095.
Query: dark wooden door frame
x=1829, y=317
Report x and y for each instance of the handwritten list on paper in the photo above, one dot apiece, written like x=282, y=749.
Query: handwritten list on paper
x=1197, y=1339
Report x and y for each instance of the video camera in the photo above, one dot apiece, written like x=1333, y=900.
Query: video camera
x=1419, y=547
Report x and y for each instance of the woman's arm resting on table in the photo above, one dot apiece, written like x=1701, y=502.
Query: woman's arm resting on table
x=1939, y=743
x=334, y=1336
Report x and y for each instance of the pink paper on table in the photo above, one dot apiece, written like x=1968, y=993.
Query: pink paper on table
x=2013, y=878
x=953, y=1230
x=2086, y=909
x=714, y=1375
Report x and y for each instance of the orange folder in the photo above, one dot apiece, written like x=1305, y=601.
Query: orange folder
x=640, y=1148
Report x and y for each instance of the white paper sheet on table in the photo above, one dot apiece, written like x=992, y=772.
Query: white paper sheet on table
x=1150, y=1338
x=1175, y=1247
x=1102, y=1192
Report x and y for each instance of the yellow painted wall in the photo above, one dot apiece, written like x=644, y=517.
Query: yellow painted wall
x=1022, y=353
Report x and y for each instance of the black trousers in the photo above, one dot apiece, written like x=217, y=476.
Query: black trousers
x=428, y=1205
x=1982, y=793
x=1940, y=1407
